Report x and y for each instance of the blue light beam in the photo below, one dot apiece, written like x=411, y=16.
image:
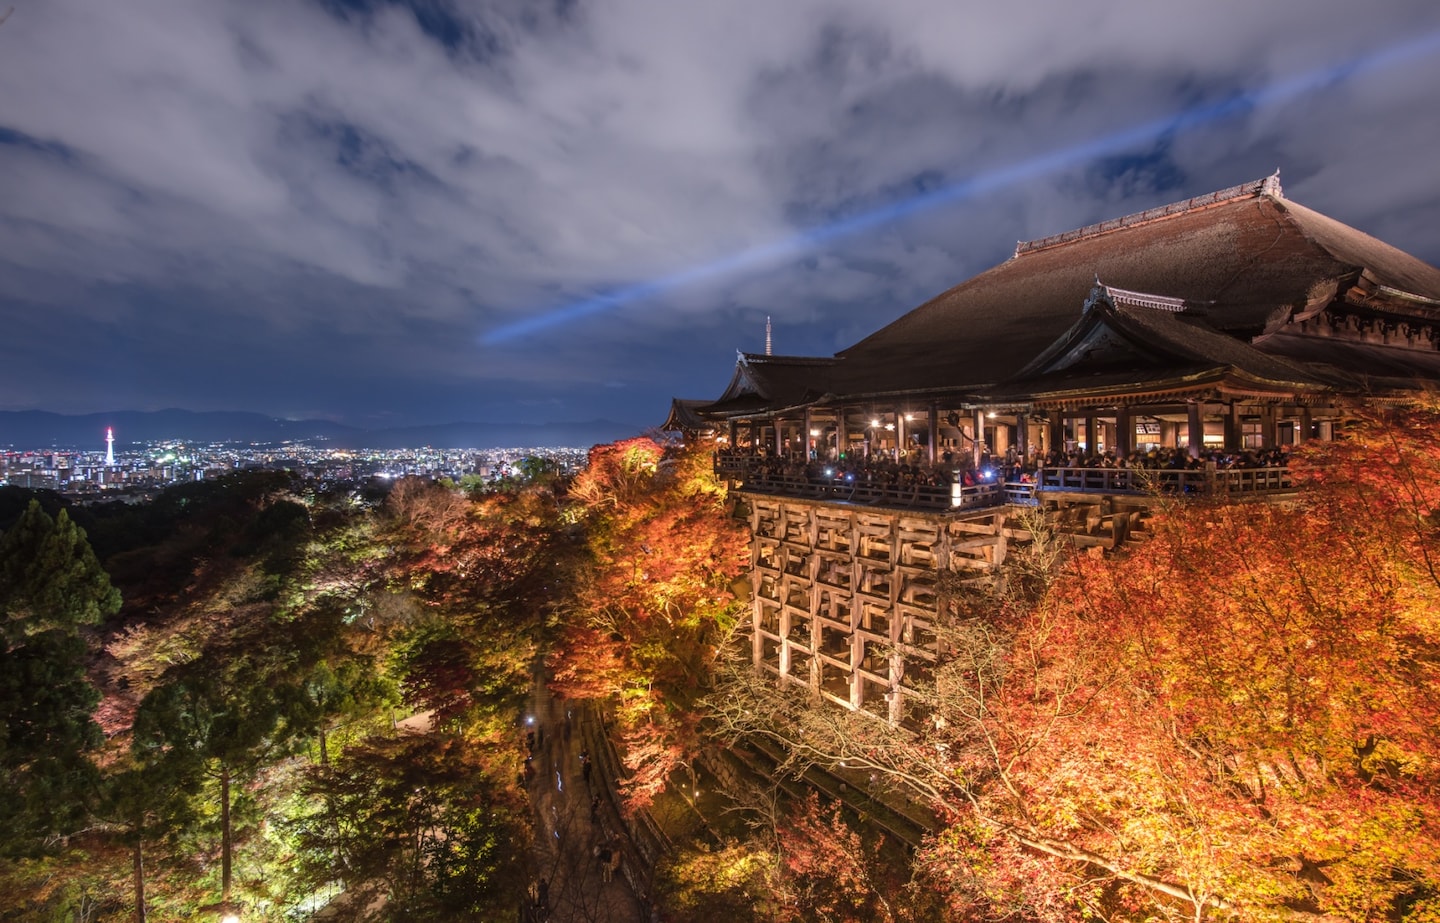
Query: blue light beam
x=1000, y=178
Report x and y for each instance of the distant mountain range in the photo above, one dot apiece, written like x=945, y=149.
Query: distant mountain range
x=38, y=429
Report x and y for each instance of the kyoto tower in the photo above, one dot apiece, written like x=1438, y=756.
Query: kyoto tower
x=109, y=447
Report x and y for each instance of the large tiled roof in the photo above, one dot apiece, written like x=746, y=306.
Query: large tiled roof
x=1245, y=262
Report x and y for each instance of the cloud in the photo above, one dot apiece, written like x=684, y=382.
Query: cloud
x=358, y=191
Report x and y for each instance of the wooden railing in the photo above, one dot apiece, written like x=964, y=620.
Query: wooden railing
x=1183, y=482
x=754, y=475
x=874, y=493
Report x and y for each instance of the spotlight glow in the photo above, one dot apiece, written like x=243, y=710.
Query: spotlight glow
x=1011, y=174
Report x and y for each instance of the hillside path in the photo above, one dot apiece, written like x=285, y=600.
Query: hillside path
x=571, y=827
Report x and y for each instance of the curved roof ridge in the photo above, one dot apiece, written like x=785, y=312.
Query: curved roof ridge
x=1270, y=186
x=1141, y=299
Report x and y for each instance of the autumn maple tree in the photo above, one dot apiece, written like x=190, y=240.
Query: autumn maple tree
x=652, y=601
x=1237, y=719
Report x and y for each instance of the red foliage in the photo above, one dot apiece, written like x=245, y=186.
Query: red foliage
x=654, y=602
x=589, y=664
x=493, y=552
x=1246, y=707
x=440, y=677
x=830, y=871
x=653, y=751
x=1242, y=714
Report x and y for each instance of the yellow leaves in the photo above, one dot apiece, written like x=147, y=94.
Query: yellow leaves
x=738, y=878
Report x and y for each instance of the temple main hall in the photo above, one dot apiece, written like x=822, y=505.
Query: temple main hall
x=1184, y=350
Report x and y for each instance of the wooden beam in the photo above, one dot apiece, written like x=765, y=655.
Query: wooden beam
x=934, y=431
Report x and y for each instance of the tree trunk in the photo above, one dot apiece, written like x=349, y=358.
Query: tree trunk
x=139, y=871
x=225, y=836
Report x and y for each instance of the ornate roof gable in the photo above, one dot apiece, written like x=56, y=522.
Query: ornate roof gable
x=773, y=382
x=1140, y=334
x=1101, y=340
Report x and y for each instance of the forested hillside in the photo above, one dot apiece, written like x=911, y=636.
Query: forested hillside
x=251, y=696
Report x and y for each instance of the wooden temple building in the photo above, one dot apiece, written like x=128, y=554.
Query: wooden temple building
x=1233, y=322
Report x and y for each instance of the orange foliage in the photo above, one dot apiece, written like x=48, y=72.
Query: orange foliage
x=654, y=602
x=831, y=873
x=494, y=551
x=1244, y=710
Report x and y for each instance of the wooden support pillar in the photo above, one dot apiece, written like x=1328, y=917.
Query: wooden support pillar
x=1124, y=432
x=979, y=441
x=933, y=436
x=1092, y=445
x=1306, y=427
x=815, y=637
x=840, y=434
x=1232, y=426
x=1269, y=427
x=857, y=654
x=900, y=444
x=1002, y=444
x=779, y=439
x=1022, y=435
x=807, y=440
x=1057, y=432
x=733, y=433
x=1196, y=427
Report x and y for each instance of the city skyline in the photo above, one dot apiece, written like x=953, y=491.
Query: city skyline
x=399, y=213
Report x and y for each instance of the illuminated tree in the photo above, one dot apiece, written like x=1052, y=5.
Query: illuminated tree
x=652, y=603
x=1237, y=719
x=420, y=819
x=51, y=586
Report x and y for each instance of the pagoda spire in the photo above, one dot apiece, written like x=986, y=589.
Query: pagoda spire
x=109, y=447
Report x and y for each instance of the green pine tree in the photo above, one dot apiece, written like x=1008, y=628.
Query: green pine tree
x=51, y=586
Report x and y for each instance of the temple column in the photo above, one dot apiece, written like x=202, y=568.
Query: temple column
x=978, y=441
x=933, y=434
x=807, y=439
x=1269, y=435
x=900, y=445
x=1302, y=435
x=1092, y=445
x=1002, y=442
x=732, y=435
x=1195, y=428
x=1232, y=426
x=1124, y=432
x=1022, y=436
x=1056, y=432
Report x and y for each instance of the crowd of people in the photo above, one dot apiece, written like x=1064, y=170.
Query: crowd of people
x=1165, y=458
x=915, y=470
x=875, y=470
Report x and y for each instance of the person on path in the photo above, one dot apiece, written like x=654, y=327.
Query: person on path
x=602, y=854
x=615, y=855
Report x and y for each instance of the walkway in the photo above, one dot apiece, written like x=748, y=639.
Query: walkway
x=571, y=827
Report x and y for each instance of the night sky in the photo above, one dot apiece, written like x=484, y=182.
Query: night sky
x=389, y=213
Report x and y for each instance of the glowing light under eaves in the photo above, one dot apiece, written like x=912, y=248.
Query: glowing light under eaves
x=977, y=185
